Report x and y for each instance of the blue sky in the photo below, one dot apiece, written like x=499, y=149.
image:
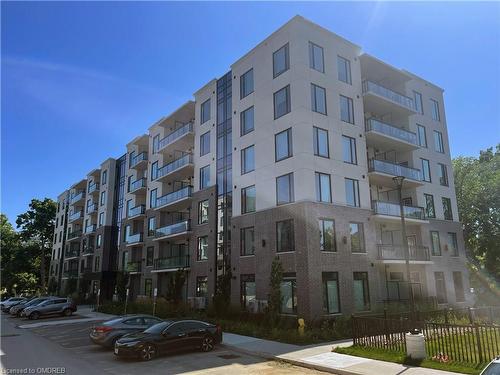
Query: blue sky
x=80, y=80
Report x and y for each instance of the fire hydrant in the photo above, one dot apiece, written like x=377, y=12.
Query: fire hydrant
x=302, y=326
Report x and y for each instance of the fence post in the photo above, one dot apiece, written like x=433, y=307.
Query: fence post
x=353, y=328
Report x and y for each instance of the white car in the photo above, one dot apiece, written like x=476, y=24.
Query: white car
x=10, y=302
x=493, y=368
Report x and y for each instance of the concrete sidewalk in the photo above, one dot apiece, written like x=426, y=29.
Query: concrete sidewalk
x=321, y=357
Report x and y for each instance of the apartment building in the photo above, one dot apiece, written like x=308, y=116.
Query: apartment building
x=291, y=154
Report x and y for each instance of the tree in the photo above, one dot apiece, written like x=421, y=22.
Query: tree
x=274, y=300
x=174, y=291
x=477, y=185
x=37, y=227
x=222, y=295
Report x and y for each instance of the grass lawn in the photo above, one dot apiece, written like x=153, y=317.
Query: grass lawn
x=397, y=357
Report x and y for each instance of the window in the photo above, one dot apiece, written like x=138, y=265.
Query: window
x=320, y=139
x=201, y=286
x=151, y=226
x=248, y=199
x=247, y=290
x=346, y=109
x=148, y=287
x=361, y=291
x=247, y=159
x=357, y=237
x=103, y=198
x=154, y=171
x=98, y=241
x=459, y=287
x=344, y=70
x=288, y=291
x=205, y=143
x=101, y=219
x=327, y=235
x=331, y=300
x=417, y=97
x=349, y=150
x=281, y=61
x=285, y=236
x=282, y=102
x=318, y=99
x=448, y=215
x=153, y=198
x=422, y=136
x=440, y=287
x=247, y=121
x=443, y=174
x=247, y=241
x=438, y=142
x=156, y=143
x=316, y=60
x=426, y=170
x=283, y=145
x=202, y=248
x=204, y=177
x=430, y=212
x=323, y=193
x=453, y=244
x=284, y=189
x=104, y=177
x=246, y=84
x=205, y=111
x=150, y=256
x=435, y=110
x=352, y=192
x=203, y=212
x=435, y=244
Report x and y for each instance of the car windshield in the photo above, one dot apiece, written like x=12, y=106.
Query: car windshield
x=492, y=369
x=35, y=301
x=157, y=328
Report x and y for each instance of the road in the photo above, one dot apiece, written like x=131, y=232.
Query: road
x=66, y=349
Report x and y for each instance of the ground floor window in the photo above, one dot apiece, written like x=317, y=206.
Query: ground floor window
x=247, y=290
x=288, y=291
x=440, y=287
x=148, y=287
x=331, y=301
x=201, y=286
x=361, y=291
x=459, y=286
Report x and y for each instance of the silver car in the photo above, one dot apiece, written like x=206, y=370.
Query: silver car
x=52, y=306
x=5, y=305
x=16, y=310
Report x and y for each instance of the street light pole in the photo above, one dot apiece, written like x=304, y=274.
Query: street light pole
x=399, y=183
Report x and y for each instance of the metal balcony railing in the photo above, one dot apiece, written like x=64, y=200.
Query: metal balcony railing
x=180, y=227
x=375, y=88
x=143, y=156
x=384, y=166
x=134, y=238
x=77, y=196
x=176, y=134
x=74, y=234
x=393, y=209
x=136, y=211
x=171, y=262
x=75, y=216
x=70, y=273
x=174, y=196
x=71, y=253
x=137, y=184
x=397, y=252
x=90, y=228
x=88, y=249
x=92, y=208
x=174, y=165
x=392, y=131
x=93, y=187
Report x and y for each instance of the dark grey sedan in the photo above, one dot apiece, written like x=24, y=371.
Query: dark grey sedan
x=108, y=332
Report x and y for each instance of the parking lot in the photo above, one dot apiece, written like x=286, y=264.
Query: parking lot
x=69, y=347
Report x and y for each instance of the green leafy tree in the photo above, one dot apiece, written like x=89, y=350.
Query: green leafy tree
x=222, y=295
x=37, y=228
x=174, y=291
x=274, y=299
x=121, y=285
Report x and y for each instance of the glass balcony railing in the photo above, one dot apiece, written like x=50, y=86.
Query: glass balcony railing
x=90, y=228
x=393, y=209
x=372, y=87
x=134, y=238
x=384, y=166
x=134, y=266
x=71, y=253
x=70, y=273
x=391, y=131
x=397, y=252
x=136, y=211
x=176, y=134
x=75, y=216
x=77, y=196
x=88, y=249
x=143, y=156
x=171, y=262
x=91, y=209
x=93, y=187
x=74, y=234
x=137, y=184
x=174, y=165
x=174, y=196
x=169, y=230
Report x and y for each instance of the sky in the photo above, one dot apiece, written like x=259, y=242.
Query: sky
x=80, y=80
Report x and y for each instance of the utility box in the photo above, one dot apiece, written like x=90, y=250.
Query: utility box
x=415, y=345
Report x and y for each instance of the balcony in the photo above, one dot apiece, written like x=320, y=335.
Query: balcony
x=78, y=196
x=387, y=137
x=90, y=228
x=93, y=188
x=139, y=161
x=88, y=250
x=138, y=186
x=173, y=230
x=134, y=239
x=134, y=267
x=74, y=235
x=380, y=99
x=180, y=139
x=71, y=253
x=136, y=211
x=175, y=169
x=174, y=199
x=92, y=209
x=381, y=173
x=388, y=211
x=75, y=216
x=70, y=273
x=171, y=263
x=396, y=253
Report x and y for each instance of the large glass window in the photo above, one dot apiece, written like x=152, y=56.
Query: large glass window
x=285, y=236
x=151, y=226
x=154, y=171
x=202, y=248
x=153, y=198
x=101, y=219
x=438, y=142
x=443, y=174
x=103, y=198
x=349, y=150
x=422, y=136
x=203, y=212
x=246, y=84
x=284, y=189
x=327, y=235
x=440, y=287
x=318, y=99
x=435, y=110
x=320, y=139
x=346, y=109
x=283, y=145
x=104, y=177
x=148, y=287
x=205, y=143
x=150, y=256
x=331, y=300
x=435, y=243
x=357, y=234
x=426, y=170
x=247, y=241
x=281, y=61
x=247, y=121
x=323, y=187
x=453, y=244
x=448, y=215
x=282, y=103
x=417, y=97
x=247, y=159
x=205, y=111
x=316, y=60
x=361, y=291
x=204, y=177
x=248, y=199
x=430, y=212
x=459, y=287
x=344, y=70
x=247, y=290
x=352, y=192
x=288, y=293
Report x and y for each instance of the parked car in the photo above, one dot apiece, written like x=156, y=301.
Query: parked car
x=6, y=305
x=51, y=306
x=493, y=367
x=16, y=310
x=108, y=332
x=169, y=336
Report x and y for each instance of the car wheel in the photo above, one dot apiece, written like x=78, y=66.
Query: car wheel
x=207, y=344
x=34, y=315
x=148, y=352
x=67, y=312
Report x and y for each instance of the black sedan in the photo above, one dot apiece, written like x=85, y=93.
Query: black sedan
x=108, y=332
x=168, y=337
